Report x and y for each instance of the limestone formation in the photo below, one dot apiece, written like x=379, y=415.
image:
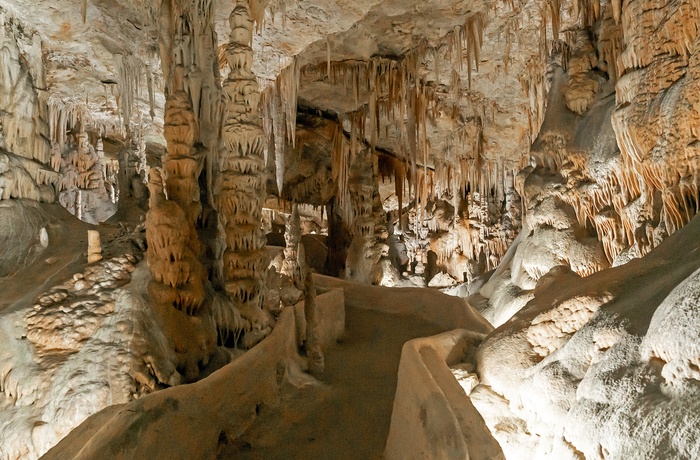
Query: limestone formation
x=178, y=276
x=23, y=123
x=582, y=85
x=24, y=178
x=240, y=187
x=312, y=343
x=89, y=179
x=94, y=250
x=292, y=235
x=366, y=217
x=181, y=164
x=536, y=159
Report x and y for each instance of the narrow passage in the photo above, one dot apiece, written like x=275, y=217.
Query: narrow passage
x=348, y=417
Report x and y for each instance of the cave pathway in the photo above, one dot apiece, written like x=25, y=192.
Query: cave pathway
x=348, y=417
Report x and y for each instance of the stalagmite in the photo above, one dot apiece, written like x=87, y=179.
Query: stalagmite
x=292, y=235
x=241, y=183
x=368, y=219
x=178, y=276
x=94, y=250
x=44, y=237
x=312, y=345
x=181, y=163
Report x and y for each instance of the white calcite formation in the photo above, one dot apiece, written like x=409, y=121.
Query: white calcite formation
x=84, y=169
x=292, y=235
x=365, y=217
x=590, y=365
x=24, y=178
x=56, y=367
x=24, y=127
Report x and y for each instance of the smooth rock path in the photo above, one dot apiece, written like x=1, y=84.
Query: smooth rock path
x=348, y=416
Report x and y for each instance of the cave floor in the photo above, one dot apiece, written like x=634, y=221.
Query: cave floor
x=33, y=269
x=348, y=415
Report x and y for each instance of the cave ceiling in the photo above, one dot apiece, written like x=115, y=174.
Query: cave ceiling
x=91, y=63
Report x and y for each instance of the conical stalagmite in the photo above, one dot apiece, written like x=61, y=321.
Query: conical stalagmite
x=240, y=187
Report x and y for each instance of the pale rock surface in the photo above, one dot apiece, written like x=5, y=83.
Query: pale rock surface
x=86, y=344
x=432, y=416
x=94, y=250
x=193, y=421
x=574, y=370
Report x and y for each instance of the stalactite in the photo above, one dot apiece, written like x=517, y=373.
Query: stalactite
x=129, y=79
x=328, y=57
x=508, y=47
x=610, y=48
x=279, y=112
x=151, y=95
x=25, y=178
x=474, y=31
x=399, y=179
x=340, y=170
x=582, y=86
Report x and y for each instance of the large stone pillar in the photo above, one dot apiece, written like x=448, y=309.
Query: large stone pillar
x=240, y=186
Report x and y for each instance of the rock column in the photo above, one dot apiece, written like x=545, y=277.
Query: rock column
x=292, y=235
x=240, y=185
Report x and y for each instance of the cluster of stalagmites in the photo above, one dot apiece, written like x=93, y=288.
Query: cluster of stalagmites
x=177, y=228
x=89, y=180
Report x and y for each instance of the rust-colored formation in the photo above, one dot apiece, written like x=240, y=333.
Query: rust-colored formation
x=582, y=86
x=172, y=252
x=240, y=187
x=662, y=65
x=181, y=163
x=174, y=246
